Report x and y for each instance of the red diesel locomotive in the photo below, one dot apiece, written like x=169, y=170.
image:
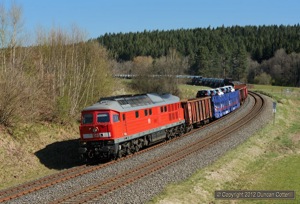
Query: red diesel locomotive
x=121, y=125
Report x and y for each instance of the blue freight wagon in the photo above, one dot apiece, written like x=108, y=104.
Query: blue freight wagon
x=224, y=104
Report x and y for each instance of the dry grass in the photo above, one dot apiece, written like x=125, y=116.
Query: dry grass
x=20, y=153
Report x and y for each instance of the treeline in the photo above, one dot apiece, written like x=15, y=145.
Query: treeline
x=260, y=41
x=51, y=80
x=212, y=52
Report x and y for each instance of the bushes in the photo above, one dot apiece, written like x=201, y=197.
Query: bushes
x=11, y=98
x=19, y=98
x=263, y=78
x=159, y=75
x=53, y=80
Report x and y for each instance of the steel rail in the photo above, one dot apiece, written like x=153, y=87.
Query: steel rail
x=29, y=187
x=127, y=177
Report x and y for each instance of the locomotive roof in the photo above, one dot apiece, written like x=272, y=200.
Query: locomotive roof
x=133, y=102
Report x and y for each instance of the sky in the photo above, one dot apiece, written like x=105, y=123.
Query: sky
x=97, y=17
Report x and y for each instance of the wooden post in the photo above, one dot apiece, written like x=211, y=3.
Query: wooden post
x=274, y=111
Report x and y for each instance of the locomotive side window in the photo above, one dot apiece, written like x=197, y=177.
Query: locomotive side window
x=136, y=114
x=161, y=109
x=146, y=112
x=165, y=108
x=102, y=117
x=87, y=118
x=150, y=111
x=124, y=118
x=116, y=118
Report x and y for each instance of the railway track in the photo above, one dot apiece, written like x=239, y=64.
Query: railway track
x=126, y=177
x=149, y=167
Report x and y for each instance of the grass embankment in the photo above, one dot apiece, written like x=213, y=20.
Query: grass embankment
x=28, y=152
x=269, y=160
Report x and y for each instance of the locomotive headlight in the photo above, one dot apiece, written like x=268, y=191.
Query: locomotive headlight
x=95, y=130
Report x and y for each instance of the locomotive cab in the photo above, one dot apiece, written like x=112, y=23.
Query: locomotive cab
x=98, y=130
x=99, y=124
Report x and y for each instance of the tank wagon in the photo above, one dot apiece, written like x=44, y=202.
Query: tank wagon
x=211, y=82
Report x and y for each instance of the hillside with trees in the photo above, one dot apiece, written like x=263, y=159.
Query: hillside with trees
x=51, y=80
x=243, y=53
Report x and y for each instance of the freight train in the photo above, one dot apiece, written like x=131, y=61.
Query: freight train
x=121, y=125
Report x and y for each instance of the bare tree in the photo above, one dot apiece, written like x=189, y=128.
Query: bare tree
x=16, y=22
x=3, y=36
x=77, y=72
x=14, y=83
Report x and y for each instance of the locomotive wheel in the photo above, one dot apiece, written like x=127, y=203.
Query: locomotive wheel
x=181, y=131
x=119, y=154
x=136, y=148
x=168, y=135
x=189, y=128
x=128, y=150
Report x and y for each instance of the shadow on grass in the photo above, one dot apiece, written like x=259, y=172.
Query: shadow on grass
x=60, y=155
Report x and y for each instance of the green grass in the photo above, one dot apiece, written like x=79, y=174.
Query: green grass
x=284, y=175
x=269, y=160
x=278, y=92
x=190, y=91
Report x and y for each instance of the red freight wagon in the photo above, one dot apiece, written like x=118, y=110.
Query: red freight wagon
x=243, y=92
x=197, y=111
x=120, y=125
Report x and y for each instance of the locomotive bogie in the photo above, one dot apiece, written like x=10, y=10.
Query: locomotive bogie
x=98, y=149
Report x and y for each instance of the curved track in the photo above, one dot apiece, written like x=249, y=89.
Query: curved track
x=148, y=167
x=127, y=177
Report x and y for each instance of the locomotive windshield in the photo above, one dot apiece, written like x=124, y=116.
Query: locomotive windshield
x=102, y=117
x=87, y=118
